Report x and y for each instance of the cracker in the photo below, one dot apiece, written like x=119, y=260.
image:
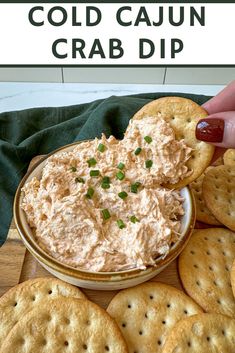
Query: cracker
x=232, y=276
x=229, y=157
x=182, y=114
x=218, y=161
x=204, y=268
x=218, y=191
x=65, y=325
x=203, y=214
x=146, y=313
x=15, y=303
x=203, y=333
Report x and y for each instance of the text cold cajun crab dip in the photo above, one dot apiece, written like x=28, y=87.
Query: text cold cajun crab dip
x=101, y=206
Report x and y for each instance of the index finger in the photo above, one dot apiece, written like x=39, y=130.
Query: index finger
x=219, y=151
x=224, y=101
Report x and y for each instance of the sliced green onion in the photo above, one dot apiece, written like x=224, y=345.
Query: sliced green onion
x=91, y=162
x=105, y=185
x=101, y=147
x=122, y=194
x=121, y=166
x=148, y=163
x=133, y=219
x=94, y=173
x=148, y=139
x=120, y=223
x=134, y=187
x=137, y=151
x=73, y=169
x=90, y=193
x=120, y=175
x=106, y=180
x=79, y=180
x=106, y=214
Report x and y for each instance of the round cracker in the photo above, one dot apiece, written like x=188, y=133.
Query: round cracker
x=229, y=157
x=65, y=325
x=203, y=214
x=183, y=115
x=232, y=276
x=204, y=333
x=146, y=313
x=22, y=298
x=204, y=267
x=218, y=191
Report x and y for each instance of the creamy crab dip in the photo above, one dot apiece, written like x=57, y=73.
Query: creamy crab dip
x=102, y=206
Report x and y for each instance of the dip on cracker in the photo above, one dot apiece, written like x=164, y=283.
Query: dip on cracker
x=104, y=206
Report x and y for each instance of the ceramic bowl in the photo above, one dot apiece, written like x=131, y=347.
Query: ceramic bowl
x=97, y=280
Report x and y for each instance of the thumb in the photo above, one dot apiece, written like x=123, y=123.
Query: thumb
x=218, y=129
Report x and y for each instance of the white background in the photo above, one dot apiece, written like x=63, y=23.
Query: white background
x=17, y=96
x=22, y=43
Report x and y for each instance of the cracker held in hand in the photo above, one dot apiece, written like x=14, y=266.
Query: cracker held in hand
x=65, y=325
x=229, y=157
x=218, y=190
x=183, y=115
x=233, y=277
x=204, y=268
x=15, y=303
x=203, y=214
x=204, y=333
x=146, y=314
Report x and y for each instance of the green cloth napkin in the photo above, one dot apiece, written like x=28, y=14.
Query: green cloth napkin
x=27, y=133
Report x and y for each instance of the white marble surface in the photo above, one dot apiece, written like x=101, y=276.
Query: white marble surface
x=17, y=96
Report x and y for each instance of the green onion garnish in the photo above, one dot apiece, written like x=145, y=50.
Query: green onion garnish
x=106, y=214
x=90, y=193
x=134, y=187
x=120, y=223
x=120, y=175
x=101, y=147
x=137, y=151
x=79, y=180
x=121, y=166
x=148, y=163
x=106, y=180
x=73, y=169
x=94, y=173
x=91, y=162
x=105, y=185
x=122, y=195
x=133, y=219
x=148, y=139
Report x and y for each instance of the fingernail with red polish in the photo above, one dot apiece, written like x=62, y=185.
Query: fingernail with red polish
x=210, y=130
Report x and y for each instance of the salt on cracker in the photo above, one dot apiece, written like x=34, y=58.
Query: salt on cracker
x=229, y=157
x=15, y=303
x=65, y=325
x=232, y=276
x=204, y=268
x=218, y=189
x=146, y=313
x=183, y=115
x=203, y=214
x=203, y=333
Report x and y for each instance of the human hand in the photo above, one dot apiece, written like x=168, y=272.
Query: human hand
x=219, y=127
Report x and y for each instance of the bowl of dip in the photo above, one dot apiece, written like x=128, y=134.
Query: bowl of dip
x=96, y=213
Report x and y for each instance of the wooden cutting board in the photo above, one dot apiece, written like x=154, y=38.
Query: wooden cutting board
x=18, y=265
